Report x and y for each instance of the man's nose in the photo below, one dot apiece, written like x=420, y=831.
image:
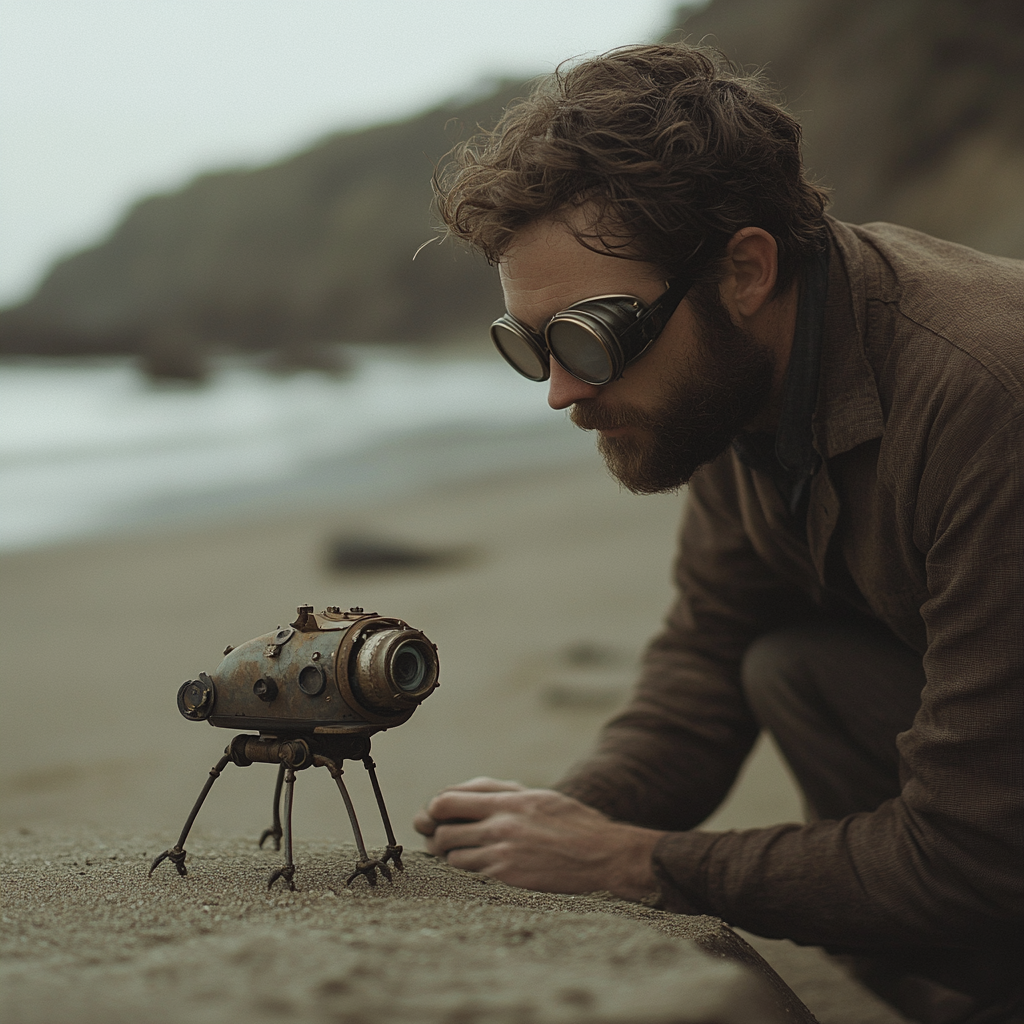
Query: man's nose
x=564, y=389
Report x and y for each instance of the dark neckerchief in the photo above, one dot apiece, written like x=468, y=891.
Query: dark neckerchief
x=788, y=456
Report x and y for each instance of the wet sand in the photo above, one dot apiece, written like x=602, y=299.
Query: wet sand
x=560, y=580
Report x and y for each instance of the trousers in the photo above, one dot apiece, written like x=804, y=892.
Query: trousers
x=834, y=696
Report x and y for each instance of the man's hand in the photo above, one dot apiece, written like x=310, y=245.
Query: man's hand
x=537, y=839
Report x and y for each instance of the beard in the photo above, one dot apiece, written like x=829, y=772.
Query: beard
x=703, y=406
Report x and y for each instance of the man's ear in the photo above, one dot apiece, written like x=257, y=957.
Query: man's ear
x=751, y=270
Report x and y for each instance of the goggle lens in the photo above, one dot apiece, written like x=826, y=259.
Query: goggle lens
x=520, y=352
x=580, y=351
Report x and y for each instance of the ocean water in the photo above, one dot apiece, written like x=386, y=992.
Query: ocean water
x=93, y=447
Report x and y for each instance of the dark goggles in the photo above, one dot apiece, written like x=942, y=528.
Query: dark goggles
x=594, y=340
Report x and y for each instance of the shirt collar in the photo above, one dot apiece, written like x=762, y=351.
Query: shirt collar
x=849, y=411
x=789, y=456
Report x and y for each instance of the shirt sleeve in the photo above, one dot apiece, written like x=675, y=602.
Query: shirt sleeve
x=668, y=760
x=941, y=864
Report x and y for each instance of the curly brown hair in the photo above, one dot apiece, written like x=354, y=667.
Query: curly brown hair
x=672, y=145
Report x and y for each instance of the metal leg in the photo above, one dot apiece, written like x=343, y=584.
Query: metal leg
x=274, y=832
x=288, y=871
x=176, y=854
x=393, y=851
x=367, y=867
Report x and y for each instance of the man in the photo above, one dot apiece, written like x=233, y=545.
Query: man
x=846, y=406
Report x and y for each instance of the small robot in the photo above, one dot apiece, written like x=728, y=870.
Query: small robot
x=317, y=691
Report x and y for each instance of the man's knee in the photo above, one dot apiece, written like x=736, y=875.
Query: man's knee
x=775, y=672
x=848, y=679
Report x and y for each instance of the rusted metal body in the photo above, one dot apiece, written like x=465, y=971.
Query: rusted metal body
x=316, y=690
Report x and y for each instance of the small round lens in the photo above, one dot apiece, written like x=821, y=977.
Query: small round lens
x=196, y=698
x=408, y=668
x=580, y=351
x=519, y=353
x=394, y=670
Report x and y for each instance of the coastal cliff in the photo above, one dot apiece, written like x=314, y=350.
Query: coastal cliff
x=913, y=112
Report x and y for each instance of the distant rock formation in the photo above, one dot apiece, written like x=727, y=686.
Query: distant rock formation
x=913, y=112
x=316, y=248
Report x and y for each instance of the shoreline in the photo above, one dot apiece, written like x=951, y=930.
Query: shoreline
x=93, y=451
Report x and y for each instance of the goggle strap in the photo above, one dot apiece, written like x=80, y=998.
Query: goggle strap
x=652, y=321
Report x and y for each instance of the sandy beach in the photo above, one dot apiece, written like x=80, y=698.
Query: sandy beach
x=556, y=579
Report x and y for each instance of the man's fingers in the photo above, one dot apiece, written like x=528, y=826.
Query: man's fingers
x=483, y=784
x=424, y=823
x=476, y=858
x=426, y=820
x=454, y=837
x=468, y=805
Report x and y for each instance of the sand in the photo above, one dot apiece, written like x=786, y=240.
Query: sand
x=436, y=944
x=561, y=579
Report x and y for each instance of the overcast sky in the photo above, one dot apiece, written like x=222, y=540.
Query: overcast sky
x=102, y=101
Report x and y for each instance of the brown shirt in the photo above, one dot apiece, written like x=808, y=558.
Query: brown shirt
x=916, y=516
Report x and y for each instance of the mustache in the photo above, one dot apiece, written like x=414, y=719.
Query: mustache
x=589, y=414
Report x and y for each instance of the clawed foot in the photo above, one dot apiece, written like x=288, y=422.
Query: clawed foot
x=287, y=873
x=368, y=869
x=272, y=833
x=394, y=854
x=176, y=855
